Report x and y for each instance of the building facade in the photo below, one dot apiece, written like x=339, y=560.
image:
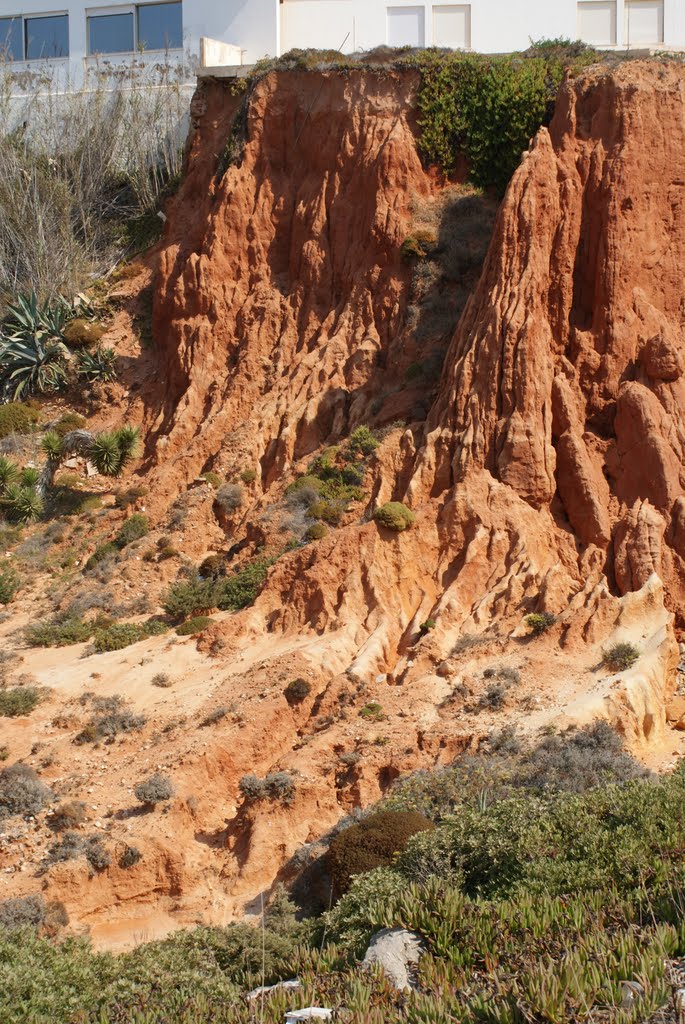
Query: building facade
x=78, y=34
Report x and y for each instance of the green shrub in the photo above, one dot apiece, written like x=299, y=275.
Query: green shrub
x=363, y=441
x=620, y=657
x=539, y=622
x=240, y=590
x=213, y=479
x=373, y=712
x=427, y=626
x=193, y=626
x=371, y=843
x=297, y=690
x=135, y=527
x=82, y=333
x=20, y=700
x=68, y=422
x=123, y=634
x=395, y=516
x=9, y=584
x=62, y=633
x=18, y=418
x=189, y=597
x=330, y=512
x=156, y=789
x=101, y=554
x=317, y=531
x=248, y=476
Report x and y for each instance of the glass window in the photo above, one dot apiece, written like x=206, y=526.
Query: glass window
x=10, y=39
x=160, y=27
x=111, y=33
x=47, y=37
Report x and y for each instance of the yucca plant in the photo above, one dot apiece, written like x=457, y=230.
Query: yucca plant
x=23, y=504
x=9, y=472
x=109, y=452
x=97, y=366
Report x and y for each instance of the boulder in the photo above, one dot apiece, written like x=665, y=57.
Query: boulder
x=398, y=952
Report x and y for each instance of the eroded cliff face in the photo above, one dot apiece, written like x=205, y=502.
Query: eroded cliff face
x=281, y=290
x=546, y=477
x=565, y=378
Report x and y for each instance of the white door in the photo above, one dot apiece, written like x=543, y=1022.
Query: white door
x=452, y=26
x=597, y=22
x=644, y=22
x=406, y=26
x=317, y=25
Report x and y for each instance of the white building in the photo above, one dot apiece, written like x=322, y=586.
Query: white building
x=76, y=34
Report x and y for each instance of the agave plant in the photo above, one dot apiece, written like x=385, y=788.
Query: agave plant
x=98, y=365
x=34, y=364
x=9, y=472
x=26, y=318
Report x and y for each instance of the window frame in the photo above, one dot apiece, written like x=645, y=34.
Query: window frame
x=24, y=19
x=133, y=9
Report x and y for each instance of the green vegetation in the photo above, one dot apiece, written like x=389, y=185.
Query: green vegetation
x=9, y=584
x=123, y=634
x=394, y=516
x=61, y=633
x=317, y=531
x=110, y=717
x=191, y=627
x=620, y=657
x=539, y=622
x=297, y=690
x=372, y=843
x=98, y=366
x=19, y=700
x=18, y=418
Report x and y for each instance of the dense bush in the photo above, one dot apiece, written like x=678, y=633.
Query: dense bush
x=240, y=590
x=620, y=657
x=22, y=912
x=18, y=418
x=190, y=597
x=539, y=622
x=19, y=700
x=191, y=627
x=363, y=441
x=156, y=789
x=62, y=633
x=297, y=690
x=123, y=634
x=9, y=584
x=371, y=843
x=135, y=527
x=395, y=516
x=21, y=791
x=317, y=531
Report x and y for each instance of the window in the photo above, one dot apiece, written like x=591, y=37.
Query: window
x=406, y=26
x=644, y=22
x=11, y=46
x=160, y=26
x=597, y=22
x=46, y=37
x=111, y=33
x=452, y=26
x=144, y=27
x=34, y=38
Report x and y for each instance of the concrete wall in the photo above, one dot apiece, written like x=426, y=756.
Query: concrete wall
x=259, y=28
